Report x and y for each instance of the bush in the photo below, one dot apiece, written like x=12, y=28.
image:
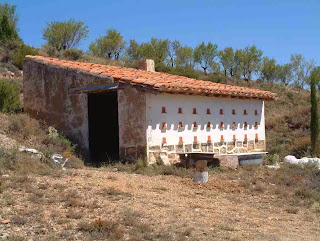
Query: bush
x=23, y=126
x=9, y=97
x=73, y=54
x=21, y=52
x=73, y=161
x=50, y=51
x=24, y=163
x=271, y=159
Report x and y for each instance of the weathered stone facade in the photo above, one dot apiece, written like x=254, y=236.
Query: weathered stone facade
x=48, y=95
x=168, y=153
x=132, y=124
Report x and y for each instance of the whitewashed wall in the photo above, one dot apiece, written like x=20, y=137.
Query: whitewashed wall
x=155, y=118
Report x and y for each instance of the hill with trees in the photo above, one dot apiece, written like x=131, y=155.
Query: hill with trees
x=287, y=118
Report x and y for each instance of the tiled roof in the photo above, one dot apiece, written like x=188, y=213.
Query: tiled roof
x=158, y=81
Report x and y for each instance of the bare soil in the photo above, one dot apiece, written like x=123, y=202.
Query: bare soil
x=136, y=207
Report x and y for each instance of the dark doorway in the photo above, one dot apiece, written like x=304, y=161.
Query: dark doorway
x=103, y=127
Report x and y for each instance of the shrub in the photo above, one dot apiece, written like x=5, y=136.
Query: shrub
x=271, y=159
x=73, y=54
x=102, y=229
x=21, y=52
x=51, y=51
x=24, y=126
x=141, y=163
x=73, y=161
x=9, y=97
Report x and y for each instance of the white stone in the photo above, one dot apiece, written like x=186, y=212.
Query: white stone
x=164, y=159
x=305, y=160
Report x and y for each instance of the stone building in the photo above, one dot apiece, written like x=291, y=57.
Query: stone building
x=113, y=112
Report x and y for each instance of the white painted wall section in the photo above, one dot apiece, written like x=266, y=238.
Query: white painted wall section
x=155, y=118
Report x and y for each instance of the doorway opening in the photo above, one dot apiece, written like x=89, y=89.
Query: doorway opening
x=103, y=127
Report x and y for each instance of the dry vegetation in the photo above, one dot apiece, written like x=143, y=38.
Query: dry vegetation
x=252, y=203
x=139, y=202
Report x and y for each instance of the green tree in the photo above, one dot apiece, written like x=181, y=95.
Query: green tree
x=301, y=69
x=133, y=50
x=21, y=52
x=109, y=46
x=269, y=70
x=156, y=49
x=8, y=22
x=205, y=54
x=9, y=97
x=227, y=60
x=284, y=74
x=65, y=35
x=184, y=57
x=314, y=125
x=173, y=47
x=248, y=61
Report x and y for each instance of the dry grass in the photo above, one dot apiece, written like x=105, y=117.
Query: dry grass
x=87, y=204
x=101, y=229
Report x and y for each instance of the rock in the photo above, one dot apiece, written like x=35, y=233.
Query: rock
x=57, y=158
x=228, y=161
x=305, y=160
x=30, y=150
x=164, y=159
x=200, y=177
x=275, y=166
x=6, y=221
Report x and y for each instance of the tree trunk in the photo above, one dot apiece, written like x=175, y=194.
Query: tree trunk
x=205, y=70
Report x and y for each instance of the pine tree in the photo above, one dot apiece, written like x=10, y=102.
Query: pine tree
x=314, y=125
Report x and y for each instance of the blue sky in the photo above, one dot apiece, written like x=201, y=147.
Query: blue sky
x=278, y=27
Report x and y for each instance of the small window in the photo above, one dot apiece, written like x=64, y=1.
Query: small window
x=180, y=140
x=245, y=112
x=209, y=125
x=195, y=139
x=245, y=137
x=256, y=124
x=195, y=125
x=257, y=137
x=234, y=138
x=221, y=111
x=221, y=124
x=194, y=111
x=164, y=125
x=164, y=110
x=256, y=112
x=245, y=125
x=180, y=125
x=164, y=140
x=180, y=110
x=221, y=138
x=209, y=139
x=233, y=112
x=208, y=112
x=234, y=124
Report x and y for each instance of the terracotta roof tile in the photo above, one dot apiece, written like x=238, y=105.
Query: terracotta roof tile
x=158, y=81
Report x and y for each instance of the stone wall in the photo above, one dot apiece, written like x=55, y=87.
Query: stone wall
x=47, y=96
x=168, y=153
x=132, y=123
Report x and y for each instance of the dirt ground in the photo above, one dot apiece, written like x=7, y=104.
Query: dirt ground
x=63, y=206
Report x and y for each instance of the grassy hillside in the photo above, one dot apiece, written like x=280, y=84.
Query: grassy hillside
x=287, y=117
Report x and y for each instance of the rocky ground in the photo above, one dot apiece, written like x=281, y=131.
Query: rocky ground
x=98, y=204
